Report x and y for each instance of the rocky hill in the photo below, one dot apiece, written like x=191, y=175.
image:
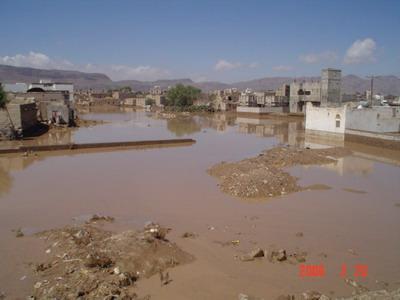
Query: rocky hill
x=350, y=83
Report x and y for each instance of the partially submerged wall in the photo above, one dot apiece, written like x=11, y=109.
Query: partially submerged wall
x=329, y=119
x=376, y=119
x=262, y=110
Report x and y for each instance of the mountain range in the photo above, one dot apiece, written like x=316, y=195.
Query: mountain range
x=350, y=83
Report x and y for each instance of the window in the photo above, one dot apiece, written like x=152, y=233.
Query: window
x=337, y=121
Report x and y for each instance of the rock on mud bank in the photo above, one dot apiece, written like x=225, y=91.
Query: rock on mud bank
x=86, y=262
x=264, y=175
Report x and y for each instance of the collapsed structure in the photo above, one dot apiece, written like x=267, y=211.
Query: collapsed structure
x=45, y=101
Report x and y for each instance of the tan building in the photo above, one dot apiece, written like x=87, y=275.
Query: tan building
x=319, y=93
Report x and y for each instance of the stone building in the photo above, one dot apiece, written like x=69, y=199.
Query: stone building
x=376, y=122
x=225, y=100
x=319, y=93
x=247, y=98
x=23, y=114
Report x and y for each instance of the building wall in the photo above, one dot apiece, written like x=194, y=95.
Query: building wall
x=141, y=101
x=382, y=119
x=15, y=87
x=158, y=98
x=54, y=86
x=376, y=119
x=23, y=116
x=130, y=101
x=330, y=86
x=325, y=92
x=57, y=96
x=329, y=119
x=262, y=110
x=247, y=99
x=301, y=92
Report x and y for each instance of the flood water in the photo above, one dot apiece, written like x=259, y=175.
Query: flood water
x=357, y=221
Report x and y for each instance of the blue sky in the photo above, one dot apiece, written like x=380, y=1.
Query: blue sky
x=203, y=40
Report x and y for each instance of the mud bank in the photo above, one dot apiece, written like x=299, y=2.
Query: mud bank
x=88, y=262
x=264, y=175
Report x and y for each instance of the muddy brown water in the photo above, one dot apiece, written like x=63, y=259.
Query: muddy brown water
x=171, y=186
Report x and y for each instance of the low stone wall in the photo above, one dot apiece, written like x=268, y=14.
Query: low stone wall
x=378, y=119
x=262, y=110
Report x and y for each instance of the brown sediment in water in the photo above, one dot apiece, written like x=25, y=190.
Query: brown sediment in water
x=318, y=187
x=350, y=190
x=88, y=123
x=93, y=263
x=263, y=176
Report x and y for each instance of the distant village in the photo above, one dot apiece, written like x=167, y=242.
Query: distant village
x=325, y=108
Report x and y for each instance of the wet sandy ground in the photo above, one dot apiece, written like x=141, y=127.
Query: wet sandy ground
x=171, y=186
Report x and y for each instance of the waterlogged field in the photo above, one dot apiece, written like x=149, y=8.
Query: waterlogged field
x=337, y=239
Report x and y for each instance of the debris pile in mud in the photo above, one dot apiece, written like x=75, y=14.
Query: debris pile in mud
x=88, y=123
x=274, y=256
x=87, y=262
x=263, y=176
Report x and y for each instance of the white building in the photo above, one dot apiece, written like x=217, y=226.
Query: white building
x=47, y=85
x=15, y=87
x=376, y=121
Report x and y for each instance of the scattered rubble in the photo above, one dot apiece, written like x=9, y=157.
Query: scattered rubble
x=19, y=233
x=286, y=297
x=264, y=175
x=256, y=253
x=189, y=234
x=352, y=252
x=164, y=278
x=376, y=295
x=228, y=243
x=313, y=295
x=98, y=218
x=281, y=255
x=358, y=288
x=88, y=123
x=247, y=297
x=88, y=262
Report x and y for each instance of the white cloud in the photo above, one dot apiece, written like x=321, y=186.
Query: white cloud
x=224, y=65
x=361, y=51
x=253, y=65
x=282, y=68
x=315, y=58
x=34, y=60
x=116, y=72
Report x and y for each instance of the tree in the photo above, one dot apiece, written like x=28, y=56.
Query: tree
x=3, y=105
x=181, y=95
x=150, y=101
